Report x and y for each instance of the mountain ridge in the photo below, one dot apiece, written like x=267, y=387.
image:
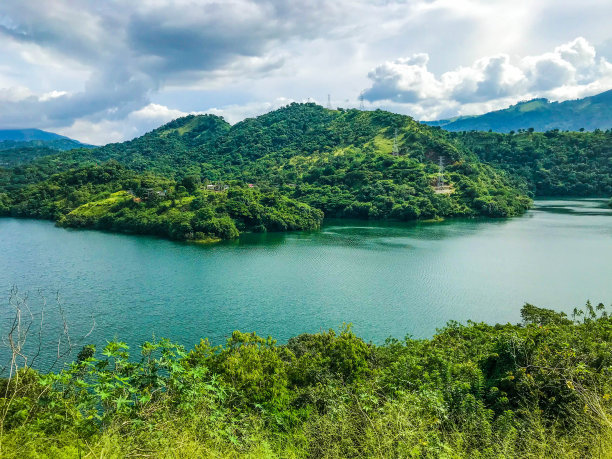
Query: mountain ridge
x=197, y=177
x=25, y=135
x=19, y=146
x=589, y=113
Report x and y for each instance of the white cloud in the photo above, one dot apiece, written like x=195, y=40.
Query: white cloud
x=156, y=113
x=580, y=53
x=15, y=94
x=127, y=51
x=235, y=113
x=99, y=132
x=571, y=70
x=83, y=65
x=51, y=95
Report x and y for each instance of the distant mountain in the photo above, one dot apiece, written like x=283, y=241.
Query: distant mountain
x=26, y=138
x=26, y=135
x=18, y=146
x=590, y=113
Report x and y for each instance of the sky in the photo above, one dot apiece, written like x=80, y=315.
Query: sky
x=108, y=71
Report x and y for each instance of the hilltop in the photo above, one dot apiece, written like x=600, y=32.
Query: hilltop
x=170, y=149
x=279, y=171
x=589, y=113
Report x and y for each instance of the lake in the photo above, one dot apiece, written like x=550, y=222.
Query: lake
x=387, y=279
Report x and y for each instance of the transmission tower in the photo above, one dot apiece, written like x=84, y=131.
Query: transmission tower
x=440, y=183
x=360, y=101
x=395, y=150
x=329, y=107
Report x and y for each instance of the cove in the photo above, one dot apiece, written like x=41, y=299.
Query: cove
x=387, y=279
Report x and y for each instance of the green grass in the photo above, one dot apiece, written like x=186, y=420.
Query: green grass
x=103, y=206
x=382, y=144
x=531, y=106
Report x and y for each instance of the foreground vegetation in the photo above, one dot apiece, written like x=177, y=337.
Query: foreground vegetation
x=539, y=389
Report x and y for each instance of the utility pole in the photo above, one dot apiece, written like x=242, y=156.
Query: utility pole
x=440, y=183
x=395, y=150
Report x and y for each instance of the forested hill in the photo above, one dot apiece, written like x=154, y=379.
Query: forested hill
x=590, y=113
x=172, y=149
x=284, y=168
x=553, y=163
x=297, y=161
x=197, y=144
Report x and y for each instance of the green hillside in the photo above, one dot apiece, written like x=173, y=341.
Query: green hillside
x=553, y=163
x=169, y=149
x=18, y=154
x=110, y=197
x=339, y=162
x=590, y=113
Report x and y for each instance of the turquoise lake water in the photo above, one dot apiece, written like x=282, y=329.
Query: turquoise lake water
x=387, y=279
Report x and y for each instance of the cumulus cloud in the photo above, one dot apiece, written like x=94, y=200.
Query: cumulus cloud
x=132, y=49
x=99, y=132
x=153, y=115
x=107, y=71
x=571, y=70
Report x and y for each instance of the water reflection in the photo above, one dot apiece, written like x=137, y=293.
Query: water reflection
x=593, y=206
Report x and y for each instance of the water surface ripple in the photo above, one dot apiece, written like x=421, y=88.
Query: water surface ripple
x=387, y=279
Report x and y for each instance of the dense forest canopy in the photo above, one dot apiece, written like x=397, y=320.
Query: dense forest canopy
x=111, y=197
x=14, y=153
x=553, y=163
x=208, y=146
